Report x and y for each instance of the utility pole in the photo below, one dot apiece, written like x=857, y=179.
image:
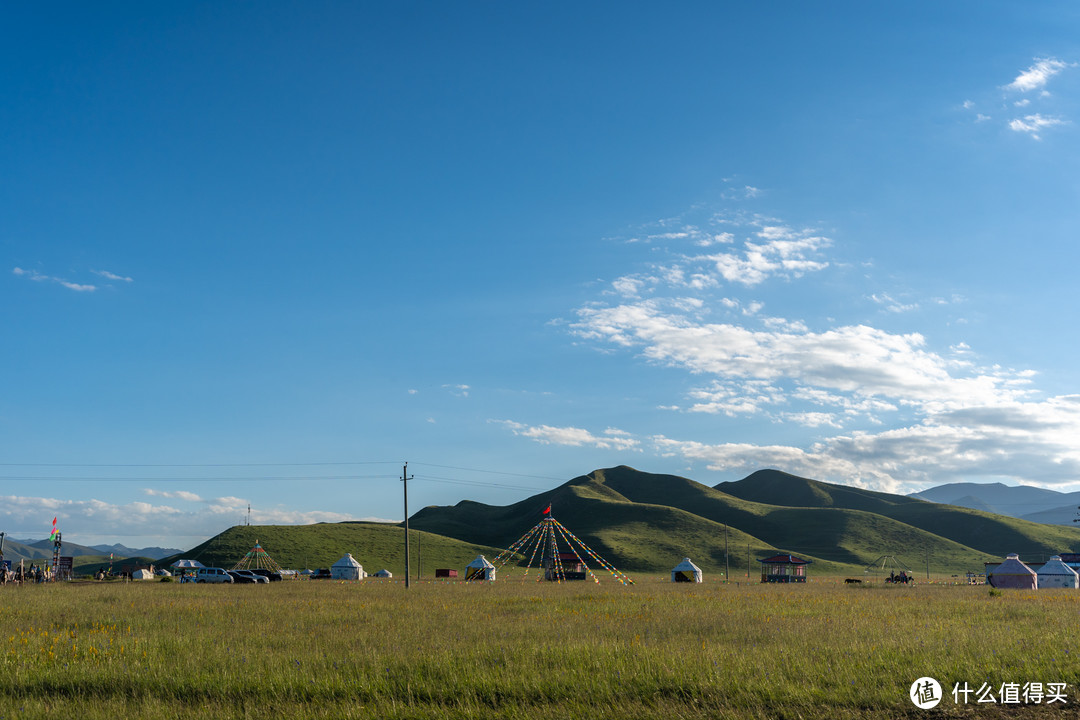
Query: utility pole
x=405, y=480
x=419, y=557
x=727, y=566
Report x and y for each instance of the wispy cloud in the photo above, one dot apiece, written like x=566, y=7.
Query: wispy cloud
x=112, y=276
x=1037, y=75
x=610, y=439
x=458, y=390
x=1034, y=124
x=39, y=277
x=86, y=518
x=173, y=494
x=883, y=408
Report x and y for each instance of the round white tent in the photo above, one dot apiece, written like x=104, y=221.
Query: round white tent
x=1056, y=574
x=480, y=569
x=1014, y=574
x=142, y=575
x=686, y=571
x=384, y=573
x=347, y=568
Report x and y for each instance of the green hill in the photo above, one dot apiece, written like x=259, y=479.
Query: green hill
x=994, y=535
x=374, y=545
x=644, y=522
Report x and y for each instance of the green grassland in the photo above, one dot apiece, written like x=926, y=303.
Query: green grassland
x=514, y=649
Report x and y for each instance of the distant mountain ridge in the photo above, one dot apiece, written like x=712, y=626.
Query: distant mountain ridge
x=154, y=553
x=30, y=550
x=1024, y=502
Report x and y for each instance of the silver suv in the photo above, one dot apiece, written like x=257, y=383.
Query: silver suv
x=212, y=575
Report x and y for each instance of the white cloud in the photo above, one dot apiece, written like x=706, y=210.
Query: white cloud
x=1033, y=124
x=878, y=408
x=892, y=305
x=611, y=439
x=112, y=276
x=173, y=494
x=1037, y=75
x=458, y=390
x=38, y=277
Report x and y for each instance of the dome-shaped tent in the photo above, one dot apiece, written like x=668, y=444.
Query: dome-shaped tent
x=479, y=569
x=1014, y=574
x=347, y=568
x=686, y=571
x=1056, y=574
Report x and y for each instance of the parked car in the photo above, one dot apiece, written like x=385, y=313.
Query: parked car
x=268, y=574
x=212, y=575
x=239, y=577
x=253, y=575
x=320, y=574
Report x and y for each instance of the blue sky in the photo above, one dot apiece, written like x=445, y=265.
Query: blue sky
x=265, y=255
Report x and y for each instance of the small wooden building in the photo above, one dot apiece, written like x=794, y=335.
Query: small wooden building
x=568, y=567
x=445, y=573
x=784, y=569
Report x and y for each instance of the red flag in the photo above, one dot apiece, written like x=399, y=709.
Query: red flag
x=548, y=510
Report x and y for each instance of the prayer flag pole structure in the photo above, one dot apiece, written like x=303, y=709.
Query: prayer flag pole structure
x=257, y=558
x=543, y=540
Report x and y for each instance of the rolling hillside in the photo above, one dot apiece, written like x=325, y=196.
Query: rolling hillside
x=374, y=545
x=995, y=535
x=645, y=522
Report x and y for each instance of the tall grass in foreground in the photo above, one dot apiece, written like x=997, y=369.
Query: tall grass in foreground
x=509, y=650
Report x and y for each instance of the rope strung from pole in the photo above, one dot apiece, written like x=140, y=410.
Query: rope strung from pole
x=615, y=573
x=583, y=563
x=543, y=539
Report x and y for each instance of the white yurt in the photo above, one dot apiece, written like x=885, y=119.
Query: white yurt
x=347, y=568
x=686, y=571
x=1056, y=574
x=384, y=573
x=480, y=569
x=1013, y=574
x=142, y=575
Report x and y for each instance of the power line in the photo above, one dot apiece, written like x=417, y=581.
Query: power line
x=201, y=465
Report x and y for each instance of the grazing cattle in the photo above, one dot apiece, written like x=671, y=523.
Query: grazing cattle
x=853, y=581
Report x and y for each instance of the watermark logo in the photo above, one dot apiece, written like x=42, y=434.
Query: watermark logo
x=925, y=693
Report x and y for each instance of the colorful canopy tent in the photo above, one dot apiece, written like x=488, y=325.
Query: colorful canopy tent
x=1013, y=574
x=686, y=571
x=257, y=558
x=480, y=569
x=347, y=568
x=1056, y=574
x=542, y=543
x=783, y=569
x=187, y=565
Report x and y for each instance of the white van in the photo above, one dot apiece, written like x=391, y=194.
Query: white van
x=212, y=575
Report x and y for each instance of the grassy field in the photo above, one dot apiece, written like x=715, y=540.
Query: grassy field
x=306, y=649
